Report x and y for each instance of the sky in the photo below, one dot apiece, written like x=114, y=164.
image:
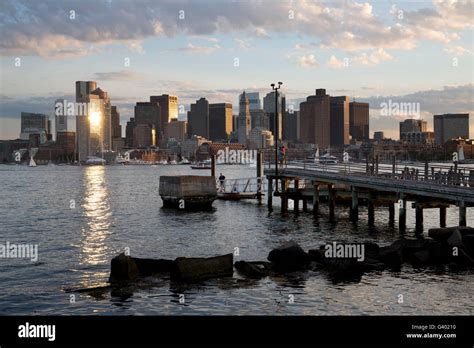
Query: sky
x=374, y=51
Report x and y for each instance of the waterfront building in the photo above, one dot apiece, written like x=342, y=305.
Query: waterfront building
x=244, y=119
x=359, y=121
x=269, y=107
x=198, y=119
x=449, y=126
x=220, y=121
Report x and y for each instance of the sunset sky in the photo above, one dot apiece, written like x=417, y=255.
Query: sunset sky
x=416, y=51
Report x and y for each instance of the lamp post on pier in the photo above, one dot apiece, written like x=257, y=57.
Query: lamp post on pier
x=276, y=129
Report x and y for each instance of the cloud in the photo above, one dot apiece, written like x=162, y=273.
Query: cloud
x=368, y=59
x=118, y=75
x=457, y=50
x=335, y=63
x=244, y=44
x=307, y=61
x=191, y=48
x=45, y=28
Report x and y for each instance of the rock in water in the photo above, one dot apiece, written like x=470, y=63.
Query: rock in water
x=255, y=270
x=123, y=269
x=195, y=268
x=148, y=267
x=289, y=257
x=392, y=255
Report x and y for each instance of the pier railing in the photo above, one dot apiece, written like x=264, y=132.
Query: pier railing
x=437, y=174
x=242, y=185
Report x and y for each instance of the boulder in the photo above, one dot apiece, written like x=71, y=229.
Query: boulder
x=123, y=269
x=411, y=246
x=196, y=268
x=343, y=266
x=392, y=255
x=316, y=255
x=289, y=257
x=421, y=257
x=370, y=264
x=455, y=239
x=253, y=269
x=148, y=267
x=442, y=234
x=468, y=241
x=371, y=250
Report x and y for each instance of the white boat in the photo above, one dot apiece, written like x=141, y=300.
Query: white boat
x=120, y=159
x=173, y=162
x=184, y=160
x=32, y=162
x=94, y=161
x=201, y=165
x=328, y=159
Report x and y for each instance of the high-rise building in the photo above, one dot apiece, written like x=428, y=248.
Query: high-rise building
x=143, y=135
x=359, y=121
x=339, y=121
x=449, y=126
x=259, y=119
x=129, y=132
x=176, y=130
x=379, y=135
x=220, y=121
x=116, y=127
x=32, y=123
x=198, y=119
x=169, y=111
x=291, y=125
x=93, y=120
x=260, y=138
x=244, y=119
x=412, y=125
x=269, y=107
x=149, y=113
x=60, y=117
x=254, y=101
x=315, y=119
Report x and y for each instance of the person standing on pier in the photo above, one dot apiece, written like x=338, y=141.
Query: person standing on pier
x=222, y=181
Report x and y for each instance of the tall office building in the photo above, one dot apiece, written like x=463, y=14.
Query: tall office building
x=259, y=119
x=220, y=121
x=149, y=113
x=412, y=125
x=315, y=119
x=260, y=138
x=32, y=123
x=254, y=101
x=106, y=119
x=244, y=119
x=448, y=126
x=115, y=119
x=169, y=111
x=83, y=122
x=176, y=130
x=291, y=126
x=198, y=119
x=359, y=121
x=269, y=107
x=339, y=121
x=129, y=132
x=60, y=117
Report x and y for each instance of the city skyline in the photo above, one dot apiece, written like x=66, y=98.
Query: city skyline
x=422, y=54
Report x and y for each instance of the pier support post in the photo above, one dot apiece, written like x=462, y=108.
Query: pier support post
x=402, y=213
x=284, y=196
x=270, y=193
x=371, y=208
x=331, y=201
x=442, y=216
x=315, y=199
x=426, y=170
x=462, y=214
x=305, y=205
x=419, y=219
x=391, y=214
x=354, y=213
x=213, y=165
x=259, y=175
x=296, y=201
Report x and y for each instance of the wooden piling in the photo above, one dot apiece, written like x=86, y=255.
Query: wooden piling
x=213, y=165
x=391, y=214
x=354, y=213
x=259, y=175
x=331, y=201
x=419, y=219
x=402, y=213
x=270, y=193
x=442, y=216
x=462, y=214
x=315, y=199
x=371, y=208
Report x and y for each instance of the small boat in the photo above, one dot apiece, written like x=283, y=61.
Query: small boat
x=94, y=161
x=201, y=165
x=173, y=162
x=184, y=160
x=32, y=162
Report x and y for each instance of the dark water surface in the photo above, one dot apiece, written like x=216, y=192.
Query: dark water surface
x=119, y=206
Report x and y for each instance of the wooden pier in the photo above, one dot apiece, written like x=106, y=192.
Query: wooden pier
x=376, y=185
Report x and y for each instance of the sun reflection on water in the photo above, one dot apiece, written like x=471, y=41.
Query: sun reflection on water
x=97, y=213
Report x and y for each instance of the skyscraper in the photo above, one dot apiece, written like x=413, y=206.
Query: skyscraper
x=269, y=107
x=115, y=119
x=254, y=101
x=220, y=121
x=148, y=113
x=339, y=121
x=169, y=111
x=198, y=119
x=359, y=121
x=259, y=119
x=244, y=119
x=450, y=126
x=291, y=125
x=315, y=119
x=60, y=118
x=83, y=124
x=32, y=123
